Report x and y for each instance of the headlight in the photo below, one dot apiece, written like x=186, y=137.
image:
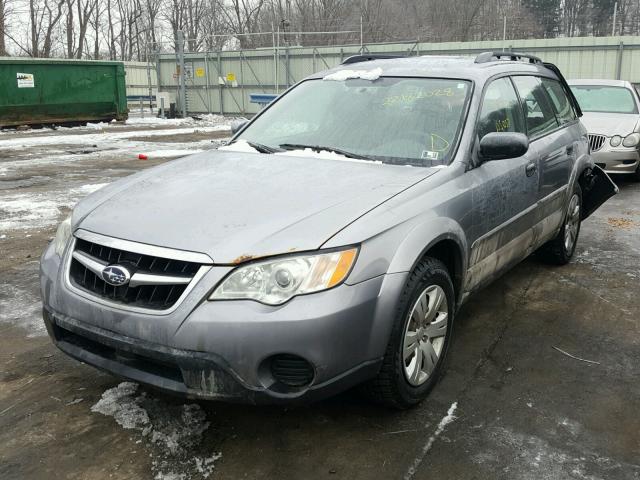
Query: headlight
x=275, y=281
x=62, y=236
x=631, y=140
x=615, y=140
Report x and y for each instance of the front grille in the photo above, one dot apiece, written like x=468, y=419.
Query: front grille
x=292, y=370
x=596, y=142
x=151, y=296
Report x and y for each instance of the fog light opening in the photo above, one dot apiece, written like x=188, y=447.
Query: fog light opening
x=291, y=371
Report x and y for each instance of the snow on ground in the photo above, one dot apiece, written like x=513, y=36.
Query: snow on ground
x=535, y=458
x=104, y=137
x=446, y=420
x=20, y=304
x=208, y=120
x=173, y=433
x=28, y=211
x=123, y=149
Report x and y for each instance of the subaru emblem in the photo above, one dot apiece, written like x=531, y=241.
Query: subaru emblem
x=116, y=275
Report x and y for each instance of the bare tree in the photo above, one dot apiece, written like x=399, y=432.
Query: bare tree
x=44, y=17
x=125, y=29
x=3, y=21
x=243, y=16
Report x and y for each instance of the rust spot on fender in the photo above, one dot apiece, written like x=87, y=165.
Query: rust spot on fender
x=247, y=257
x=242, y=259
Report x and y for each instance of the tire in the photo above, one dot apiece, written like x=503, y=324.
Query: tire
x=560, y=250
x=398, y=385
x=636, y=175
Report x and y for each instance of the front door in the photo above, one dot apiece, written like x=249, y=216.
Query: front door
x=504, y=192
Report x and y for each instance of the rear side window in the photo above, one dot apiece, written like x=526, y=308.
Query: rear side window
x=538, y=111
x=559, y=100
x=501, y=110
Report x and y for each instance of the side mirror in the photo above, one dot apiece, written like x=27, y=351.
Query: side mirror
x=239, y=125
x=503, y=145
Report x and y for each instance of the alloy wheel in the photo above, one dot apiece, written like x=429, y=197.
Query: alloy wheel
x=424, y=335
x=572, y=223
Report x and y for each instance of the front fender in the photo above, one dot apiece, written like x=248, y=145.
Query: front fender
x=424, y=236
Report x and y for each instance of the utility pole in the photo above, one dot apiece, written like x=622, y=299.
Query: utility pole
x=504, y=33
x=615, y=14
x=148, y=55
x=182, y=85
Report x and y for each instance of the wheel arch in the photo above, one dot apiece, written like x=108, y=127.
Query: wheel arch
x=449, y=246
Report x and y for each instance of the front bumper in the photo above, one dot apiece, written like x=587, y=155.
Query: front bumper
x=617, y=160
x=222, y=349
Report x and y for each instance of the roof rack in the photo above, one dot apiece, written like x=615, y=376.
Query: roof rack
x=368, y=58
x=486, y=57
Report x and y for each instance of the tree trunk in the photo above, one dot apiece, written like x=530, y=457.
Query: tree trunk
x=70, y=29
x=3, y=48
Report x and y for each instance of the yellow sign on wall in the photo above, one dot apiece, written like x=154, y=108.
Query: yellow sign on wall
x=199, y=72
x=231, y=77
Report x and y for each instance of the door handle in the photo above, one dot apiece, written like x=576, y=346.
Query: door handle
x=530, y=169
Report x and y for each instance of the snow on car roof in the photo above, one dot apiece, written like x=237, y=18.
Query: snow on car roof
x=435, y=66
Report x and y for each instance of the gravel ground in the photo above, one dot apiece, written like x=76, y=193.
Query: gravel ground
x=511, y=406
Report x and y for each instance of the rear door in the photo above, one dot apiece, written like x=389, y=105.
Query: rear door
x=553, y=143
x=557, y=174
x=504, y=192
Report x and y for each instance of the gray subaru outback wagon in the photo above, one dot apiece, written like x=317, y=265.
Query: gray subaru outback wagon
x=332, y=241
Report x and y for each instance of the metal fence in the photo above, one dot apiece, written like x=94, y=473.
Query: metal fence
x=142, y=82
x=221, y=82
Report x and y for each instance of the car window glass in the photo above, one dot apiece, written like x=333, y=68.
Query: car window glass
x=501, y=110
x=559, y=100
x=605, y=99
x=537, y=108
x=404, y=121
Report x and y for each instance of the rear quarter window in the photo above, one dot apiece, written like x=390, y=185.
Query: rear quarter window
x=538, y=110
x=559, y=100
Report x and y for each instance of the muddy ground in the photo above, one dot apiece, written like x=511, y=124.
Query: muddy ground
x=511, y=406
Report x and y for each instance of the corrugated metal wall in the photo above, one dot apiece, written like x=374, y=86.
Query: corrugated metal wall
x=138, y=77
x=210, y=76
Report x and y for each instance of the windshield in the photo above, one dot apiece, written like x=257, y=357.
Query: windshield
x=605, y=99
x=405, y=121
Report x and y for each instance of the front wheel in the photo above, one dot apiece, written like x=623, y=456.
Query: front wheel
x=561, y=248
x=419, y=340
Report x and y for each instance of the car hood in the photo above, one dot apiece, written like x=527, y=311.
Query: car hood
x=610, y=124
x=237, y=206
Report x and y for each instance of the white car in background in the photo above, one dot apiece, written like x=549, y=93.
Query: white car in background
x=611, y=114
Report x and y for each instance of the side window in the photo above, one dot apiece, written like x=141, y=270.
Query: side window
x=501, y=110
x=561, y=104
x=537, y=107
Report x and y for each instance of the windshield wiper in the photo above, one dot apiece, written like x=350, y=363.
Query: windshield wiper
x=257, y=146
x=319, y=148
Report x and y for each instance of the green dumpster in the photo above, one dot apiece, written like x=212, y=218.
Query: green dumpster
x=46, y=91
